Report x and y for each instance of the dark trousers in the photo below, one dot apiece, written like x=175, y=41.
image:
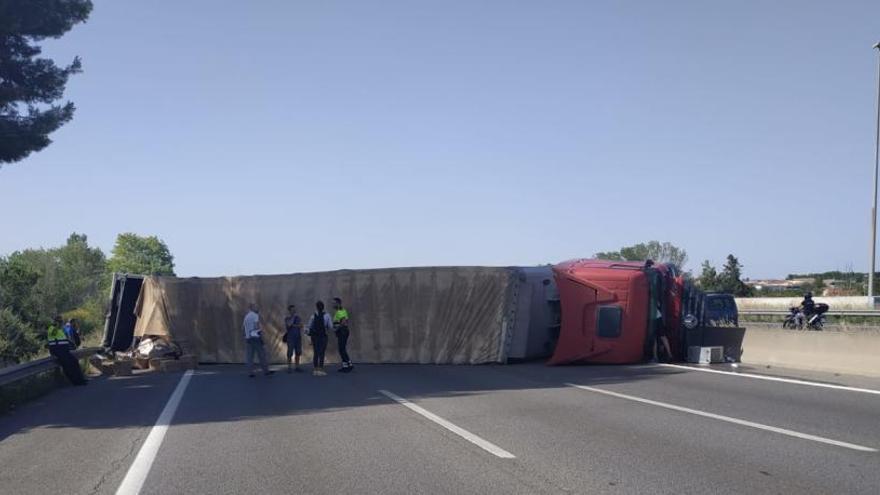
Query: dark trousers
x=69, y=363
x=319, y=342
x=342, y=334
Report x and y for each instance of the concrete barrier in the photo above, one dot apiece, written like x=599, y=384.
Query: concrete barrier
x=854, y=352
x=783, y=303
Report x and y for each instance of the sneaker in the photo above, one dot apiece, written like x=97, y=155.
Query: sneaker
x=322, y=373
x=315, y=373
x=270, y=372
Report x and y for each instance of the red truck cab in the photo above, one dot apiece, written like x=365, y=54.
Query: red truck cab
x=609, y=308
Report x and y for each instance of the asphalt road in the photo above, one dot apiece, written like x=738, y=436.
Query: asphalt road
x=665, y=430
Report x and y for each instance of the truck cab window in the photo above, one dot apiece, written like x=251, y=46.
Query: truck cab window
x=608, y=321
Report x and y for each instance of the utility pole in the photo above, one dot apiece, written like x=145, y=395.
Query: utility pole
x=874, y=207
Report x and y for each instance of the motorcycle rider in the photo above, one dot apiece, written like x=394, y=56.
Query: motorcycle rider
x=808, y=307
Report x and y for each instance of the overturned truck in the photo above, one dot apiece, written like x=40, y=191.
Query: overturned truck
x=582, y=311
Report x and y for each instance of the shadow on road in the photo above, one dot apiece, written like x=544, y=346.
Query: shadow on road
x=224, y=393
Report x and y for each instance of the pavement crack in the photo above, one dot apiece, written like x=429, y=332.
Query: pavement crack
x=115, y=465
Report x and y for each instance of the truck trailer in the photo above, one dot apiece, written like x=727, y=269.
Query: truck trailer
x=575, y=312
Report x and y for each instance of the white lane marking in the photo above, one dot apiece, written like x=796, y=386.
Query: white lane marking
x=774, y=379
x=137, y=473
x=470, y=437
x=728, y=419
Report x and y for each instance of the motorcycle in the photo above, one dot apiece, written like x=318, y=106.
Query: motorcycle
x=796, y=318
x=817, y=319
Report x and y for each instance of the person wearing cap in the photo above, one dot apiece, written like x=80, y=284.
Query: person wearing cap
x=340, y=327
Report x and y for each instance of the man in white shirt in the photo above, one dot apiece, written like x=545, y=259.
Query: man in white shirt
x=253, y=337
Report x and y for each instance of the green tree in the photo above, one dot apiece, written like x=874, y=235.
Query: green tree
x=660, y=252
x=18, y=340
x=730, y=279
x=141, y=255
x=81, y=271
x=708, y=279
x=31, y=86
x=609, y=256
x=37, y=284
x=17, y=281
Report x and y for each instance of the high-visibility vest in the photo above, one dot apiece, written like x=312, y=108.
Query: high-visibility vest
x=56, y=336
x=339, y=315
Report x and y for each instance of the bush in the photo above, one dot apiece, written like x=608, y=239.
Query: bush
x=90, y=316
x=18, y=340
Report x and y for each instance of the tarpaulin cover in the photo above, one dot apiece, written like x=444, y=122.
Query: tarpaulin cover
x=400, y=315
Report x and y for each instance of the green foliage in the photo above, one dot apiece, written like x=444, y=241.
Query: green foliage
x=30, y=86
x=708, y=279
x=660, y=252
x=90, y=315
x=609, y=255
x=17, y=339
x=40, y=283
x=71, y=281
x=729, y=280
x=17, y=281
x=141, y=255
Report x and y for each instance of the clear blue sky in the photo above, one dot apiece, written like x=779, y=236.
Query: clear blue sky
x=281, y=136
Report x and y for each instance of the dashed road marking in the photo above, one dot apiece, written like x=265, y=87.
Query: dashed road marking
x=470, y=437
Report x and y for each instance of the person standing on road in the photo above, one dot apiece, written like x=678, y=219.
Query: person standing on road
x=253, y=337
x=60, y=347
x=293, y=337
x=318, y=325
x=340, y=327
x=660, y=338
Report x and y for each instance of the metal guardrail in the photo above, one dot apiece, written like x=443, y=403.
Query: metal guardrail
x=11, y=374
x=871, y=313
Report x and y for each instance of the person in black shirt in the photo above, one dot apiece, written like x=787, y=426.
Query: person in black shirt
x=319, y=323
x=808, y=305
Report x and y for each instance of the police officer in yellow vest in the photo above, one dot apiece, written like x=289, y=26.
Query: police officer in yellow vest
x=60, y=347
x=340, y=326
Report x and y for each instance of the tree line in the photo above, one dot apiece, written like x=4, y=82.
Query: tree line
x=729, y=280
x=73, y=281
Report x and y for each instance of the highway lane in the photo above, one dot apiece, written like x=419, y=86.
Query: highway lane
x=303, y=434
x=592, y=442
x=80, y=439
